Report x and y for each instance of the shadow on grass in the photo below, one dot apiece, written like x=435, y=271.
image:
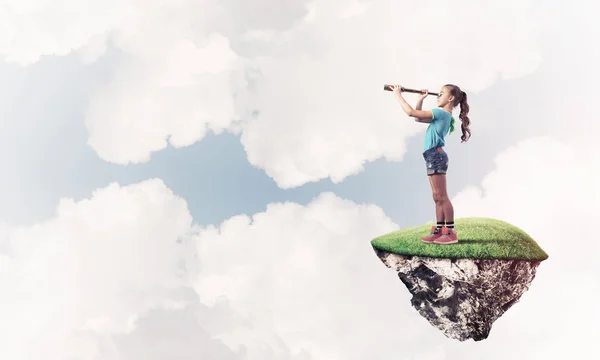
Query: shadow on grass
x=485, y=242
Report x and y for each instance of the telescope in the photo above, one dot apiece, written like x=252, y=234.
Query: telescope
x=387, y=87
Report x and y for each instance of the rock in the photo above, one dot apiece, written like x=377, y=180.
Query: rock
x=462, y=297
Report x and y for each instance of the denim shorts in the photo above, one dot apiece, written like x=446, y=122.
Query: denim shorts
x=436, y=160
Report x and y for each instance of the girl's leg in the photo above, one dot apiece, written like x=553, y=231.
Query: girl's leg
x=439, y=185
x=436, y=231
x=439, y=210
x=449, y=237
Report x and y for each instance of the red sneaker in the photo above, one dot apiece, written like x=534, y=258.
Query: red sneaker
x=448, y=236
x=432, y=236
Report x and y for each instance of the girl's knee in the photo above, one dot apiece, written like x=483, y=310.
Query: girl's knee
x=441, y=199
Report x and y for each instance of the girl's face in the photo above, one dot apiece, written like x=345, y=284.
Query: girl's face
x=444, y=97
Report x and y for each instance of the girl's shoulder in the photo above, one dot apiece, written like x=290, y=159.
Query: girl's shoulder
x=441, y=115
x=439, y=112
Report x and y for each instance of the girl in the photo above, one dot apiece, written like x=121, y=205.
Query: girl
x=441, y=122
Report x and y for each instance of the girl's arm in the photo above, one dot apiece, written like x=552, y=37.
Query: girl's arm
x=420, y=115
x=424, y=93
x=419, y=104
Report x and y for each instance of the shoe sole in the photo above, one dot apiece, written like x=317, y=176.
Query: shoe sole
x=446, y=242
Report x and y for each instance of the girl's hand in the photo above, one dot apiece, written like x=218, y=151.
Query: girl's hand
x=397, y=89
x=424, y=93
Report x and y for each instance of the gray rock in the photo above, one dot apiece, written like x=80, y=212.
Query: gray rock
x=462, y=297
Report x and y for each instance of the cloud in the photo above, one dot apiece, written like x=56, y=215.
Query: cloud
x=295, y=281
x=551, y=190
x=172, y=334
x=301, y=82
x=107, y=275
x=309, y=275
x=95, y=267
x=35, y=28
x=322, y=111
x=536, y=183
x=182, y=93
x=177, y=80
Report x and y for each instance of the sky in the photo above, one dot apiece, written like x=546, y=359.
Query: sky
x=201, y=179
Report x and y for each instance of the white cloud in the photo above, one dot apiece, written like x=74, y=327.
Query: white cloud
x=35, y=28
x=94, y=267
x=540, y=184
x=551, y=190
x=178, y=96
x=175, y=334
x=309, y=275
x=299, y=282
x=320, y=64
x=322, y=109
x=179, y=79
x=97, y=280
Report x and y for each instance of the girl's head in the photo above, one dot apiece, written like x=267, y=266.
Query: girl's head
x=453, y=95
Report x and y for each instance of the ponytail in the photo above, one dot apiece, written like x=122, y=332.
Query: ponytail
x=460, y=98
x=464, y=118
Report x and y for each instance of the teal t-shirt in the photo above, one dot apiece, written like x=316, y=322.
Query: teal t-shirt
x=438, y=128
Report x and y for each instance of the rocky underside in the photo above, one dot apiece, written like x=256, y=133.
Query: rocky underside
x=462, y=297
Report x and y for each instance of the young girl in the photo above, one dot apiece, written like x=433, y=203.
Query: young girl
x=441, y=122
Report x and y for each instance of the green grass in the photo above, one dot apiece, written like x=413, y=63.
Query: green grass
x=482, y=238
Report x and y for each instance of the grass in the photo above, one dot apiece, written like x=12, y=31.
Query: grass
x=481, y=238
